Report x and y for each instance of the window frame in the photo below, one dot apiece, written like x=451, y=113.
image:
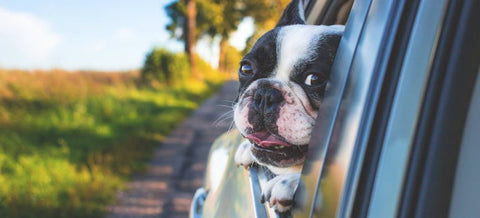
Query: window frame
x=431, y=171
x=348, y=110
x=366, y=175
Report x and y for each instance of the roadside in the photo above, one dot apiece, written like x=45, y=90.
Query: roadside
x=178, y=165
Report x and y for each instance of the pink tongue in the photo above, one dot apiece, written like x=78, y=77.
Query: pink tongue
x=265, y=139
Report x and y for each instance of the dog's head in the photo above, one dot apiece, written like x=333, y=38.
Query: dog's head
x=282, y=82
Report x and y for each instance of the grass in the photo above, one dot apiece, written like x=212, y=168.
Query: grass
x=69, y=140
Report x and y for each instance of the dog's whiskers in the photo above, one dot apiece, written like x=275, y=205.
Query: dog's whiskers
x=227, y=115
x=229, y=101
x=225, y=106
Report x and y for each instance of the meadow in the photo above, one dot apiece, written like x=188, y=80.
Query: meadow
x=70, y=140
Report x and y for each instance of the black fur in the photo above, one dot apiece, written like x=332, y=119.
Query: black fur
x=262, y=57
x=321, y=64
x=291, y=15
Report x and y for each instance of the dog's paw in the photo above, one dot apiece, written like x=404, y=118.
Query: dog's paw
x=243, y=155
x=279, y=192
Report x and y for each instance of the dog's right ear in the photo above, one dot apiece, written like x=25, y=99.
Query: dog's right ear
x=293, y=14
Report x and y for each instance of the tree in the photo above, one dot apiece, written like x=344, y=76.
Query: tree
x=184, y=14
x=190, y=37
x=265, y=14
x=222, y=17
x=214, y=18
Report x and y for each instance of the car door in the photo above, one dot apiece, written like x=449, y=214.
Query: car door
x=388, y=135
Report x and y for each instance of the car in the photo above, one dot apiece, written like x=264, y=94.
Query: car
x=398, y=131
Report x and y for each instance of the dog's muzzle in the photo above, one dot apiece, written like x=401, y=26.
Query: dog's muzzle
x=266, y=100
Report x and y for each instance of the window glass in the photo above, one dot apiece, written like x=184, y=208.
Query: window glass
x=466, y=189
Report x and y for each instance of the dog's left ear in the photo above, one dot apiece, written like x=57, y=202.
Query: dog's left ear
x=293, y=14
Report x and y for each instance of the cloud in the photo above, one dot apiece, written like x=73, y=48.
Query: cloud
x=24, y=35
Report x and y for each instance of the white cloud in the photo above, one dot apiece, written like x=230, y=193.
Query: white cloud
x=26, y=36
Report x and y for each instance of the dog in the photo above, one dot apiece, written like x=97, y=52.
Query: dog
x=282, y=81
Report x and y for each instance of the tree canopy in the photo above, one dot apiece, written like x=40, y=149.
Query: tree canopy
x=222, y=17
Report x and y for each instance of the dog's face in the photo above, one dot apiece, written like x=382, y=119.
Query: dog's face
x=282, y=82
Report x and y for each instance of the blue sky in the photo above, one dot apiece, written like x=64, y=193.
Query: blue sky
x=88, y=34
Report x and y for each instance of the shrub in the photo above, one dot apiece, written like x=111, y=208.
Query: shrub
x=163, y=67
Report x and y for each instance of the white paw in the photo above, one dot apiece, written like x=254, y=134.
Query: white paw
x=279, y=191
x=243, y=155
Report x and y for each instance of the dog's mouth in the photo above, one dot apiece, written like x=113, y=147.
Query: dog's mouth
x=273, y=150
x=267, y=140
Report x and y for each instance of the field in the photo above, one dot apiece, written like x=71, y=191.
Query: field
x=69, y=140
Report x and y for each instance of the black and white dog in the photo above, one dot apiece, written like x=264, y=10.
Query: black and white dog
x=282, y=82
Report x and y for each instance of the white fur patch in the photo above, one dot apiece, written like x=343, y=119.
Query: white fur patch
x=294, y=45
x=240, y=116
x=243, y=155
x=294, y=124
x=279, y=189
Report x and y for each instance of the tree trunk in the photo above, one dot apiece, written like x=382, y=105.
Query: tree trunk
x=221, y=56
x=189, y=29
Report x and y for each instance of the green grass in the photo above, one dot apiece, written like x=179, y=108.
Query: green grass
x=69, y=141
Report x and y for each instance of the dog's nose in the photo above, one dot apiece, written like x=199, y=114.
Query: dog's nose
x=267, y=99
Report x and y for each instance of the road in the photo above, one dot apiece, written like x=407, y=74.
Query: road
x=178, y=164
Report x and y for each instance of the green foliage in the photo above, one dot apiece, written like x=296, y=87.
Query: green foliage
x=222, y=17
x=265, y=14
x=214, y=17
x=165, y=67
x=232, y=59
x=65, y=150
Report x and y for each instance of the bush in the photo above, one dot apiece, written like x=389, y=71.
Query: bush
x=163, y=67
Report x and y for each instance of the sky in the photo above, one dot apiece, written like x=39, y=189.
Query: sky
x=91, y=35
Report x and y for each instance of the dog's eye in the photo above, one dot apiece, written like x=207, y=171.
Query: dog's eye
x=246, y=69
x=312, y=80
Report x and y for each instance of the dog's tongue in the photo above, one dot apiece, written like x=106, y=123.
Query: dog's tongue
x=265, y=139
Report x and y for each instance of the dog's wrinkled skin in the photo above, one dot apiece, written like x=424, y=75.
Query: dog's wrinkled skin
x=282, y=81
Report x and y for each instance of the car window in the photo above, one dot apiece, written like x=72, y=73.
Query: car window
x=429, y=179
x=404, y=116
x=466, y=190
x=338, y=147
x=382, y=86
x=327, y=12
